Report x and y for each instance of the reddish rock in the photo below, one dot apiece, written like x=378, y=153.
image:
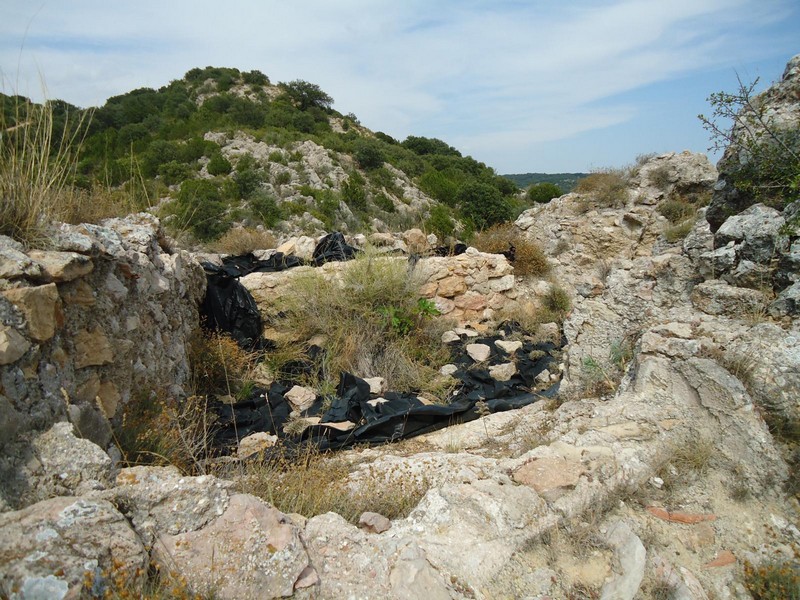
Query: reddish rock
x=679, y=517
x=723, y=559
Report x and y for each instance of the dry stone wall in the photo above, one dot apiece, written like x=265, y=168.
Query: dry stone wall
x=468, y=288
x=100, y=317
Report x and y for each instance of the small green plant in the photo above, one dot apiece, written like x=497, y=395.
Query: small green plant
x=282, y=178
x=557, y=300
x=773, y=580
x=402, y=321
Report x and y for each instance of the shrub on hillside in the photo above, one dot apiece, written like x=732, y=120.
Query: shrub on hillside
x=483, y=204
x=264, y=207
x=200, y=209
x=174, y=172
x=241, y=240
x=440, y=222
x=368, y=155
x=528, y=256
x=607, y=188
x=543, y=192
x=218, y=165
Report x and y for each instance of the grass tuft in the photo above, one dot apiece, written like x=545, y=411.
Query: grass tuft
x=529, y=257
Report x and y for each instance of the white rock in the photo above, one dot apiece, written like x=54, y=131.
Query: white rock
x=478, y=352
x=507, y=346
x=300, y=397
x=503, y=372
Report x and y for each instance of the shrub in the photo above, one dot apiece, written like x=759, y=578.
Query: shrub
x=356, y=316
x=607, y=188
x=219, y=365
x=200, y=208
x=385, y=203
x=174, y=172
x=543, y=192
x=676, y=210
x=773, y=580
x=369, y=155
x=282, y=178
x=218, y=165
x=483, y=204
x=557, y=300
x=440, y=222
x=353, y=192
x=241, y=240
x=528, y=256
x=264, y=207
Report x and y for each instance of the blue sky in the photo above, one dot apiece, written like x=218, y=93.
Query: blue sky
x=539, y=85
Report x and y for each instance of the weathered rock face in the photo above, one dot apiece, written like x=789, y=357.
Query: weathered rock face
x=780, y=110
x=102, y=316
x=686, y=174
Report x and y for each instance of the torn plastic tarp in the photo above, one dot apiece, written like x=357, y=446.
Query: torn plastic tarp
x=332, y=248
x=393, y=416
x=229, y=307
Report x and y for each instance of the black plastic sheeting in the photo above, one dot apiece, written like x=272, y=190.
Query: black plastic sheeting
x=395, y=416
x=230, y=308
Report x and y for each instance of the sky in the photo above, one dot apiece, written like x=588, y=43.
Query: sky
x=522, y=85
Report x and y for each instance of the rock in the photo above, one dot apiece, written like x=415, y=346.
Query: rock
x=251, y=539
x=15, y=264
x=716, y=297
x=448, y=337
x=92, y=347
x=70, y=465
x=52, y=548
x=451, y=286
x=503, y=372
x=549, y=332
x=90, y=423
x=630, y=554
x=161, y=501
x=448, y=370
x=416, y=240
x=470, y=333
x=679, y=517
x=723, y=559
x=756, y=229
x=62, y=266
x=10, y=422
x=551, y=477
x=41, y=307
x=377, y=385
x=508, y=347
x=786, y=304
x=478, y=352
x=374, y=523
x=13, y=345
x=255, y=443
x=301, y=398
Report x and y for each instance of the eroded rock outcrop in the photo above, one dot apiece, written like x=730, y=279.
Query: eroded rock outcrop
x=102, y=316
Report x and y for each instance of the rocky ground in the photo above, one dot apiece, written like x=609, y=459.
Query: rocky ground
x=652, y=474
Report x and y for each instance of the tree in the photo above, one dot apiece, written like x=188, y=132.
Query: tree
x=369, y=155
x=306, y=95
x=483, y=204
x=544, y=192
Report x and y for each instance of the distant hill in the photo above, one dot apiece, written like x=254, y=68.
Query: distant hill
x=566, y=181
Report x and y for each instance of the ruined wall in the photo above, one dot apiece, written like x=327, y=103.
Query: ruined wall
x=463, y=287
x=100, y=317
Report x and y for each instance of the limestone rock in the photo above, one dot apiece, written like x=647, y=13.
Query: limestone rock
x=478, y=352
x=69, y=465
x=12, y=345
x=448, y=337
x=92, y=347
x=159, y=500
x=507, y=346
x=301, y=398
x=550, y=476
x=756, y=229
x=374, y=522
x=716, y=297
x=377, y=385
x=62, y=266
x=255, y=443
x=41, y=307
x=251, y=539
x=630, y=554
x=503, y=372
x=15, y=264
x=51, y=548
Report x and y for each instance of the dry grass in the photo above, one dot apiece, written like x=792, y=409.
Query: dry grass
x=606, y=189
x=773, y=580
x=219, y=364
x=313, y=484
x=529, y=257
x=36, y=171
x=241, y=240
x=372, y=322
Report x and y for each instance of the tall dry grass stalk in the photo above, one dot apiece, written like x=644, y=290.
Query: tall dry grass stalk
x=37, y=166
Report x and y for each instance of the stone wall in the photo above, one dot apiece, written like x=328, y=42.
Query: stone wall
x=100, y=317
x=467, y=288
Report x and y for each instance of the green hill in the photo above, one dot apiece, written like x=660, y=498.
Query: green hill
x=566, y=181
x=220, y=147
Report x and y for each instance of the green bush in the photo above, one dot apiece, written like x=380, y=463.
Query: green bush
x=264, y=207
x=219, y=165
x=353, y=192
x=483, y=204
x=543, y=192
x=385, y=203
x=368, y=155
x=201, y=209
x=174, y=172
x=440, y=222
